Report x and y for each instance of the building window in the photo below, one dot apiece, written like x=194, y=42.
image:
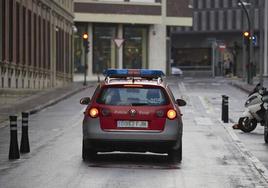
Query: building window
x=24, y=36
x=40, y=41
x=192, y=58
x=199, y=21
x=221, y=4
x=58, y=49
x=234, y=20
x=10, y=30
x=29, y=38
x=257, y=3
x=216, y=20
x=48, y=44
x=225, y=18
x=78, y=48
x=17, y=32
x=195, y=3
x=67, y=53
x=2, y=5
x=135, y=47
x=104, y=48
x=44, y=44
x=212, y=3
x=208, y=20
x=35, y=39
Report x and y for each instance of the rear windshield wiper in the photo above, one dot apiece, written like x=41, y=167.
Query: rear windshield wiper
x=139, y=104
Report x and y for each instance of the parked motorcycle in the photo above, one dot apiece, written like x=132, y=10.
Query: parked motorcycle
x=255, y=111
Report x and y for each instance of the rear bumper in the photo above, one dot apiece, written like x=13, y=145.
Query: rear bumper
x=169, y=138
x=131, y=145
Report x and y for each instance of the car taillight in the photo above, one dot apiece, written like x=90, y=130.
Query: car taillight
x=93, y=112
x=171, y=114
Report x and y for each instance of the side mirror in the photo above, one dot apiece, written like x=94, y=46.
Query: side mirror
x=85, y=100
x=181, y=102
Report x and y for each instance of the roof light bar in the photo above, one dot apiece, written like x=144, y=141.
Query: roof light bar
x=145, y=73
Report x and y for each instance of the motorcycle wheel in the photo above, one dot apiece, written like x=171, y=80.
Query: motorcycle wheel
x=266, y=127
x=247, y=125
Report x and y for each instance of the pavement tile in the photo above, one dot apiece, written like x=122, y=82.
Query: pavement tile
x=243, y=85
x=36, y=101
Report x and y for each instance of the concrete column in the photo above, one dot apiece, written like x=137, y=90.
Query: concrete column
x=120, y=50
x=89, y=62
x=157, y=47
x=158, y=44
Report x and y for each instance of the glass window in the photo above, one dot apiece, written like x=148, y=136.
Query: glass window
x=104, y=49
x=78, y=48
x=18, y=32
x=29, y=38
x=133, y=96
x=192, y=59
x=24, y=35
x=1, y=29
x=135, y=47
x=10, y=30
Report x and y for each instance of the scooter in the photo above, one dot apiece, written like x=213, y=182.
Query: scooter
x=256, y=111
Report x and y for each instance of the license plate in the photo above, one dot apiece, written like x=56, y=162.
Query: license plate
x=132, y=124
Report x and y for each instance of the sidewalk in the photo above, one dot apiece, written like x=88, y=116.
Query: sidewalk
x=17, y=101
x=243, y=85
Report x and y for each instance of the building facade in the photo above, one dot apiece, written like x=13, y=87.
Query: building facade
x=126, y=33
x=217, y=36
x=36, y=43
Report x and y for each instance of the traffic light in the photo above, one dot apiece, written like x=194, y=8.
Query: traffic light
x=247, y=37
x=86, y=42
x=254, y=40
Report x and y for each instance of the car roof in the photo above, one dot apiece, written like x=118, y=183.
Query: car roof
x=134, y=76
x=134, y=81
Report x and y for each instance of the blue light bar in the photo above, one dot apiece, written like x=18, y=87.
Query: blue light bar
x=153, y=73
x=145, y=73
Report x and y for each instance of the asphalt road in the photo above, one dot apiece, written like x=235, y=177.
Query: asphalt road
x=211, y=158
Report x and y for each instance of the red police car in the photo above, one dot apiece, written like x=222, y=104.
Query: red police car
x=132, y=110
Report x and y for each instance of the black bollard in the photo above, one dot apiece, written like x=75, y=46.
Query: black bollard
x=225, y=109
x=13, y=148
x=24, y=144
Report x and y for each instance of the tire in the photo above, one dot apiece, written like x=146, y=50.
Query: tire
x=266, y=127
x=175, y=156
x=88, y=154
x=247, y=125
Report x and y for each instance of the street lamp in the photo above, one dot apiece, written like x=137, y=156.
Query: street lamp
x=248, y=35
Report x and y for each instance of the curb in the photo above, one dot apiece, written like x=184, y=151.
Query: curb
x=239, y=87
x=55, y=101
x=49, y=103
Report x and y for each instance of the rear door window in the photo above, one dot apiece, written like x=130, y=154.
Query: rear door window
x=133, y=96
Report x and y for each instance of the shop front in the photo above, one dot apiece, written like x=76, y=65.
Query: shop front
x=105, y=52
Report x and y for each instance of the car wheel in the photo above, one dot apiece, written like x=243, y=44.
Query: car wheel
x=247, y=125
x=175, y=155
x=266, y=127
x=88, y=153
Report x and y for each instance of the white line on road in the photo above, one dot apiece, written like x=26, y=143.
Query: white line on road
x=205, y=104
x=182, y=87
x=203, y=121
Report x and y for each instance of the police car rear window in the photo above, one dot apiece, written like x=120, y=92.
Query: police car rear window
x=133, y=96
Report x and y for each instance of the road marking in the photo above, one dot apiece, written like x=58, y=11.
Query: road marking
x=205, y=103
x=182, y=87
x=203, y=121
